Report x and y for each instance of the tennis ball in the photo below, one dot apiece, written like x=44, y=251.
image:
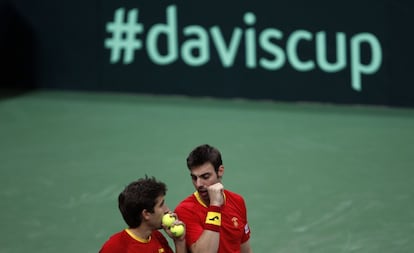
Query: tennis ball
x=177, y=230
x=168, y=220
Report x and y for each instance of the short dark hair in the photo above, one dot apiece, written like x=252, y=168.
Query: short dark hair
x=137, y=196
x=202, y=154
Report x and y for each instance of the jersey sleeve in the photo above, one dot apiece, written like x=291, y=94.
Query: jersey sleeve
x=113, y=244
x=246, y=234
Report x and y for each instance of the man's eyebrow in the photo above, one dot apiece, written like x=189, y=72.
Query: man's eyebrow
x=162, y=202
x=204, y=174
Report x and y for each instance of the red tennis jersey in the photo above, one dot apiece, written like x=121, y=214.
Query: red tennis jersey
x=123, y=242
x=234, y=227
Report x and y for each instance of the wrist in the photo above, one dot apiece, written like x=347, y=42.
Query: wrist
x=214, y=208
x=213, y=218
x=179, y=240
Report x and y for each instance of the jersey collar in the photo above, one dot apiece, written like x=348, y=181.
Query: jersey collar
x=199, y=200
x=137, y=238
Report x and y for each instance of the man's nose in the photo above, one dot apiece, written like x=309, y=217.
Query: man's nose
x=199, y=182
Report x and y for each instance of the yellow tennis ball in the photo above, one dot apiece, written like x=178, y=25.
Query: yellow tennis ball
x=168, y=220
x=177, y=230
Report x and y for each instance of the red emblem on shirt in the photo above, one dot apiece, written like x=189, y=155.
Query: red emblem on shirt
x=235, y=222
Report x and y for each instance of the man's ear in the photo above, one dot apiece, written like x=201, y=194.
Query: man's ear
x=220, y=171
x=145, y=214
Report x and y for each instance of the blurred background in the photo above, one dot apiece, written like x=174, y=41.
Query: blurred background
x=311, y=104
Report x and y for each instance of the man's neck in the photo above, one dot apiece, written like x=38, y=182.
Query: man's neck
x=140, y=234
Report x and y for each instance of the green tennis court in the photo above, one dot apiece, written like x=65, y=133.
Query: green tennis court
x=317, y=178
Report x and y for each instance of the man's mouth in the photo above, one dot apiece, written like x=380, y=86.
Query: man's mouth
x=203, y=193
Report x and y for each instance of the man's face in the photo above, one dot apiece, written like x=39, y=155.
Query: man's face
x=203, y=176
x=160, y=209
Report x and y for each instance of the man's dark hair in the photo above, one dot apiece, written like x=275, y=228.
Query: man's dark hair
x=137, y=196
x=202, y=154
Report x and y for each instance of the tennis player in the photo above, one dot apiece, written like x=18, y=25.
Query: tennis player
x=215, y=218
x=142, y=205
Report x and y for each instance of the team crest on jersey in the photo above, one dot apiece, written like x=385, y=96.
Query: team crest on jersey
x=235, y=222
x=161, y=250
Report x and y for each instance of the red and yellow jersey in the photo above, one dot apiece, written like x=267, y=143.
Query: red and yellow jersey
x=234, y=227
x=125, y=242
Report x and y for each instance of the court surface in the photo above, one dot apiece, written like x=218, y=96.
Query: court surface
x=317, y=178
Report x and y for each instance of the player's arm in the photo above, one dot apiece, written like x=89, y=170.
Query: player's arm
x=245, y=247
x=179, y=240
x=180, y=246
x=171, y=221
x=209, y=240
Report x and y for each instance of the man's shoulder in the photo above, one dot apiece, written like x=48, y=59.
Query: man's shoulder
x=233, y=195
x=187, y=204
x=118, y=235
x=114, y=242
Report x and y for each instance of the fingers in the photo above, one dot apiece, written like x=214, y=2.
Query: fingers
x=177, y=234
x=177, y=221
x=215, y=192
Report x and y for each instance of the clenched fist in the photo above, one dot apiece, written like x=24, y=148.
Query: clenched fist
x=215, y=193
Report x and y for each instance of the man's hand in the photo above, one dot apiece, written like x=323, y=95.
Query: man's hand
x=215, y=193
x=176, y=222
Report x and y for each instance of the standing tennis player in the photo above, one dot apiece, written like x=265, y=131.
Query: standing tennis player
x=215, y=218
x=142, y=205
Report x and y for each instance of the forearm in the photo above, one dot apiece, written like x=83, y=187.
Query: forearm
x=209, y=240
x=180, y=246
x=245, y=247
x=207, y=243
